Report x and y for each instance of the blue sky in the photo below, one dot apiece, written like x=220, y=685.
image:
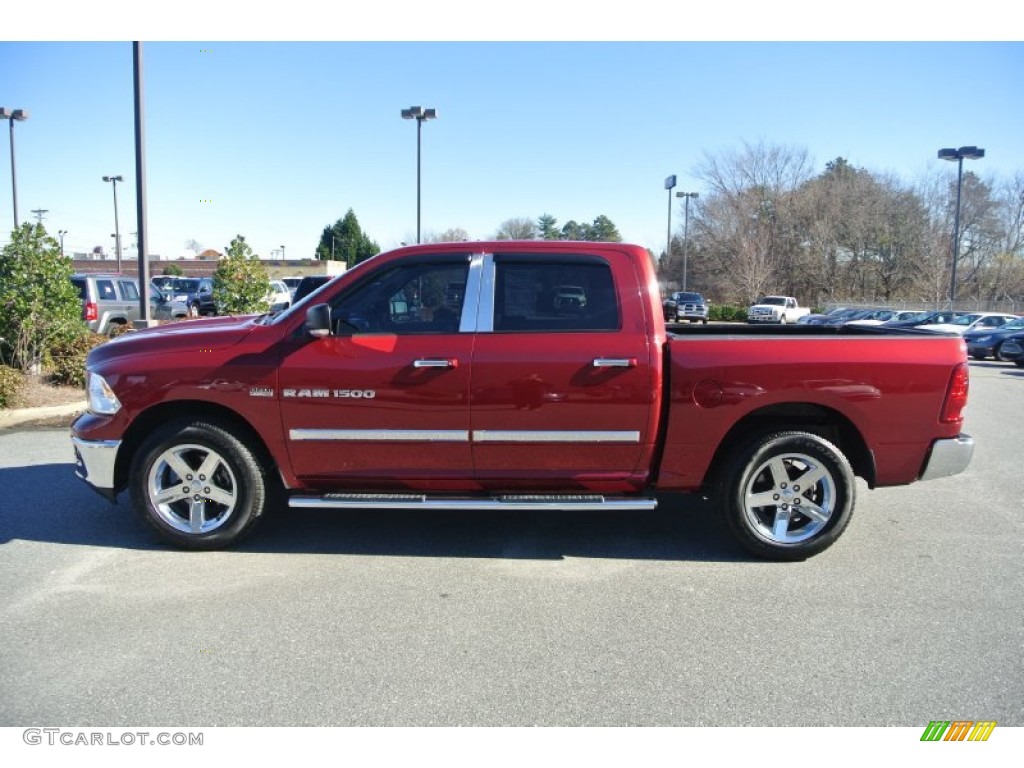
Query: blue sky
x=277, y=140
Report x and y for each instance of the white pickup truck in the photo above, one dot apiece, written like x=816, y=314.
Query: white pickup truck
x=776, y=309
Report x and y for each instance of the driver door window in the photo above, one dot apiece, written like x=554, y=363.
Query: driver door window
x=423, y=298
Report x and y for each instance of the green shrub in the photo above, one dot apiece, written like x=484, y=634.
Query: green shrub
x=724, y=312
x=240, y=283
x=38, y=303
x=65, y=359
x=12, y=382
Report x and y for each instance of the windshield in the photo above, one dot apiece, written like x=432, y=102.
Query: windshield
x=185, y=285
x=775, y=301
x=1013, y=325
x=303, y=302
x=692, y=298
x=966, y=320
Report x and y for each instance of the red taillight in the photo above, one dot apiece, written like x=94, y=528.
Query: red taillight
x=91, y=311
x=956, y=395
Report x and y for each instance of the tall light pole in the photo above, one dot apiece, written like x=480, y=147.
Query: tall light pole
x=283, y=257
x=686, y=226
x=420, y=115
x=117, y=230
x=60, y=234
x=11, y=115
x=670, y=182
x=959, y=155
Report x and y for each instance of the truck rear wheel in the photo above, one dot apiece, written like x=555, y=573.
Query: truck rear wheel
x=788, y=495
x=198, y=485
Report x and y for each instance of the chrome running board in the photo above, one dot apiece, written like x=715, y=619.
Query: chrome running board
x=483, y=503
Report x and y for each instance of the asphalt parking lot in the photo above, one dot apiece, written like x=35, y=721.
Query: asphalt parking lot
x=601, y=619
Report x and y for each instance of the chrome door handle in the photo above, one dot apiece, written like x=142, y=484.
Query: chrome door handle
x=615, y=362
x=435, y=363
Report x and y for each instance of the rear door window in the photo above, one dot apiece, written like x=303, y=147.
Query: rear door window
x=105, y=290
x=546, y=296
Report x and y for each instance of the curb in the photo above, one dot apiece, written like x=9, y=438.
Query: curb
x=22, y=415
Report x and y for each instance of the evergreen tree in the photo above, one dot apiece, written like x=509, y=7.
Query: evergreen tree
x=346, y=241
x=603, y=230
x=547, y=227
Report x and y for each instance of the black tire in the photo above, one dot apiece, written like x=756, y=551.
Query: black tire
x=203, y=510
x=1019, y=363
x=771, y=467
x=979, y=356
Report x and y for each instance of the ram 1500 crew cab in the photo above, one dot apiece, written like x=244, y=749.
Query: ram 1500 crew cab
x=456, y=375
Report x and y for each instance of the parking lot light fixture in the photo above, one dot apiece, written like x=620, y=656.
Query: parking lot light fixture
x=117, y=229
x=958, y=156
x=60, y=234
x=10, y=115
x=420, y=115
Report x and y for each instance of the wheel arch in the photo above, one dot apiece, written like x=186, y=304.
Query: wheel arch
x=192, y=410
x=820, y=420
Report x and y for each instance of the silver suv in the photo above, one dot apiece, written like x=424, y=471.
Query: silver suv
x=111, y=302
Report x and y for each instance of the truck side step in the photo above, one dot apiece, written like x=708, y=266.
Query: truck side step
x=483, y=503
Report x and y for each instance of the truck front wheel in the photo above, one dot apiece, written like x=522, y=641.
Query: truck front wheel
x=788, y=495
x=198, y=485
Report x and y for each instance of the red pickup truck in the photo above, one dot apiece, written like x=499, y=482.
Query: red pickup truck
x=459, y=375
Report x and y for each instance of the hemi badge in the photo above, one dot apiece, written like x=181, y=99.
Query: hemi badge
x=261, y=392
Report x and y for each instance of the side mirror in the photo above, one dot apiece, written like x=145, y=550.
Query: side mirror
x=318, y=321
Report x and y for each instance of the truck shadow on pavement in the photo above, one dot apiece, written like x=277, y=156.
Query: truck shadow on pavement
x=57, y=507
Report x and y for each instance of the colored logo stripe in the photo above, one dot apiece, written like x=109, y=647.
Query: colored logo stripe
x=958, y=730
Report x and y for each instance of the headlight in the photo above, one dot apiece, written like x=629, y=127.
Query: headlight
x=982, y=339
x=101, y=397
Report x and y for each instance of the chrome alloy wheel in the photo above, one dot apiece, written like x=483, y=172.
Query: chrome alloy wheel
x=789, y=499
x=192, y=488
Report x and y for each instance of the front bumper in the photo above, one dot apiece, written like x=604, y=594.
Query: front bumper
x=95, y=461
x=948, y=457
x=981, y=349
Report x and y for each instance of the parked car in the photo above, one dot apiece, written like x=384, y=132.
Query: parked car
x=924, y=317
x=972, y=321
x=1012, y=350
x=827, y=318
x=776, y=309
x=874, y=317
x=292, y=282
x=307, y=285
x=111, y=302
x=685, y=305
x=279, y=297
x=570, y=298
x=196, y=293
x=987, y=342
x=162, y=282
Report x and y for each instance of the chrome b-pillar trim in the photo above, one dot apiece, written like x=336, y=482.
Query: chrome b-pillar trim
x=471, y=301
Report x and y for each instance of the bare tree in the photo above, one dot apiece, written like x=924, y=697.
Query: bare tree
x=450, y=235
x=517, y=229
x=749, y=223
